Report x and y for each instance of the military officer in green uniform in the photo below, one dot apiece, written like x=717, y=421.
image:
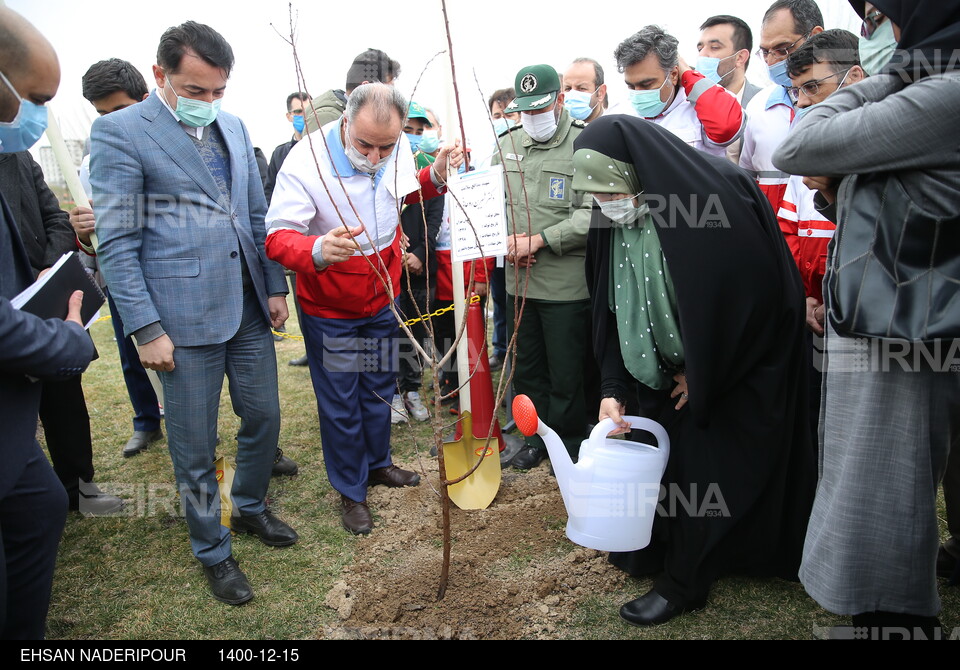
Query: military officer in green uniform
x=547, y=236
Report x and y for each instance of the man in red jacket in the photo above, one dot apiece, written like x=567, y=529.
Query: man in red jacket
x=334, y=219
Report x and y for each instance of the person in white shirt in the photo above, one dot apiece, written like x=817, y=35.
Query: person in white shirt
x=666, y=91
x=723, y=56
x=787, y=24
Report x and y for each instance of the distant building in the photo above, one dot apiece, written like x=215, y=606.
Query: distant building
x=50, y=167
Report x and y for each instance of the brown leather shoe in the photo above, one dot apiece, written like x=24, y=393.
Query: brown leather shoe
x=393, y=477
x=356, y=516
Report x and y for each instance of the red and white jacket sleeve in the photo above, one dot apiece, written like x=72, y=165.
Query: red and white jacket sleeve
x=719, y=112
x=427, y=188
x=288, y=242
x=290, y=246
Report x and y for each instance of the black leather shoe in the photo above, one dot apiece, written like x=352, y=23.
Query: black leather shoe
x=355, y=516
x=283, y=466
x=272, y=531
x=528, y=458
x=393, y=477
x=495, y=363
x=227, y=583
x=299, y=362
x=513, y=446
x=140, y=440
x=651, y=609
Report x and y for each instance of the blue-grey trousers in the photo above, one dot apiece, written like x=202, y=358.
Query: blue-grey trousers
x=192, y=403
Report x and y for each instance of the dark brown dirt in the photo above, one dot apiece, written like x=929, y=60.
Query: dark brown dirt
x=513, y=572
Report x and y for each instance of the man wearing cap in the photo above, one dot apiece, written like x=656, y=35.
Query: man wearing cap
x=371, y=66
x=547, y=235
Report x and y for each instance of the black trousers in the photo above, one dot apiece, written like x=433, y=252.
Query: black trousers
x=410, y=372
x=32, y=516
x=951, y=496
x=66, y=426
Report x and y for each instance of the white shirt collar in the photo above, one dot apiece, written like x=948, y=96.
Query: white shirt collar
x=195, y=132
x=679, y=99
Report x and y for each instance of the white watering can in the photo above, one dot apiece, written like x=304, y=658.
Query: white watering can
x=611, y=493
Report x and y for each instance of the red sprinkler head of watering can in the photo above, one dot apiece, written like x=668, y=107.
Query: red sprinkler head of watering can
x=525, y=415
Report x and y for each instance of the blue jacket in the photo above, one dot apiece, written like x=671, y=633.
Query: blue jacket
x=170, y=245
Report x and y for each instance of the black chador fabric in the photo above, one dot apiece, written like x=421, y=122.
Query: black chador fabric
x=741, y=448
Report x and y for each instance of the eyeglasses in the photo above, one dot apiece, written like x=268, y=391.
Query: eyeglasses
x=871, y=22
x=782, y=52
x=812, y=88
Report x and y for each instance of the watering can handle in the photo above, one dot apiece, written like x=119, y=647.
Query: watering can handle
x=604, y=428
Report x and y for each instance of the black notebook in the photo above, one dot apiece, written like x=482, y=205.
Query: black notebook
x=48, y=296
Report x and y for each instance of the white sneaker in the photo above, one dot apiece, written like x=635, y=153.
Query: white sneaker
x=398, y=413
x=415, y=408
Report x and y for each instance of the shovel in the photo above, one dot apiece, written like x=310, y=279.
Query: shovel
x=476, y=412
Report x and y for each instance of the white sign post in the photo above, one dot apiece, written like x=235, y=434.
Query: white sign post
x=478, y=227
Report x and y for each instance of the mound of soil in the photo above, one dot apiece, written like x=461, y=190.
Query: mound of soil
x=513, y=573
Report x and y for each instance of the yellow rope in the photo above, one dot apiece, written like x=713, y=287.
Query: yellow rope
x=299, y=338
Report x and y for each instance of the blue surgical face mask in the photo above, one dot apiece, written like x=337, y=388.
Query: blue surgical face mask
x=429, y=141
x=578, y=104
x=299, y=123
x=195, y=113
x=802, y=112
x=876, y=52
x=709, y=68
x=778, y=74
x=649, y=104
x=414, y=141
x=27, y=126
x=502, y=125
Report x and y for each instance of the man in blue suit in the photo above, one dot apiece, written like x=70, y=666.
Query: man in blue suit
x=33, y=504
x=181, y=228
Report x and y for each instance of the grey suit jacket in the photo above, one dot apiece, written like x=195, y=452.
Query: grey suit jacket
x=749, y=90
x=170, y=243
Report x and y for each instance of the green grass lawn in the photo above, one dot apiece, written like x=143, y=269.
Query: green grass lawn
x=135, y=577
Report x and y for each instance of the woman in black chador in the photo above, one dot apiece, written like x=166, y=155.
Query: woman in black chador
x=698, y=315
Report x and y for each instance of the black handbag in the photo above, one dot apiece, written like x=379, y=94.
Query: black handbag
x=894, y=270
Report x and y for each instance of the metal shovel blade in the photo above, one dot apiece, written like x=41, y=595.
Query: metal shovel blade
x=479, y=489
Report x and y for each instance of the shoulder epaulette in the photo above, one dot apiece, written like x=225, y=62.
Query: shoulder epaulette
x=510, y=130
x=577, y=123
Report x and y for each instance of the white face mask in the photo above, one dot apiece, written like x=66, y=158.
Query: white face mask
x=622, y=212
x=540, y=127
x=358, y=160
